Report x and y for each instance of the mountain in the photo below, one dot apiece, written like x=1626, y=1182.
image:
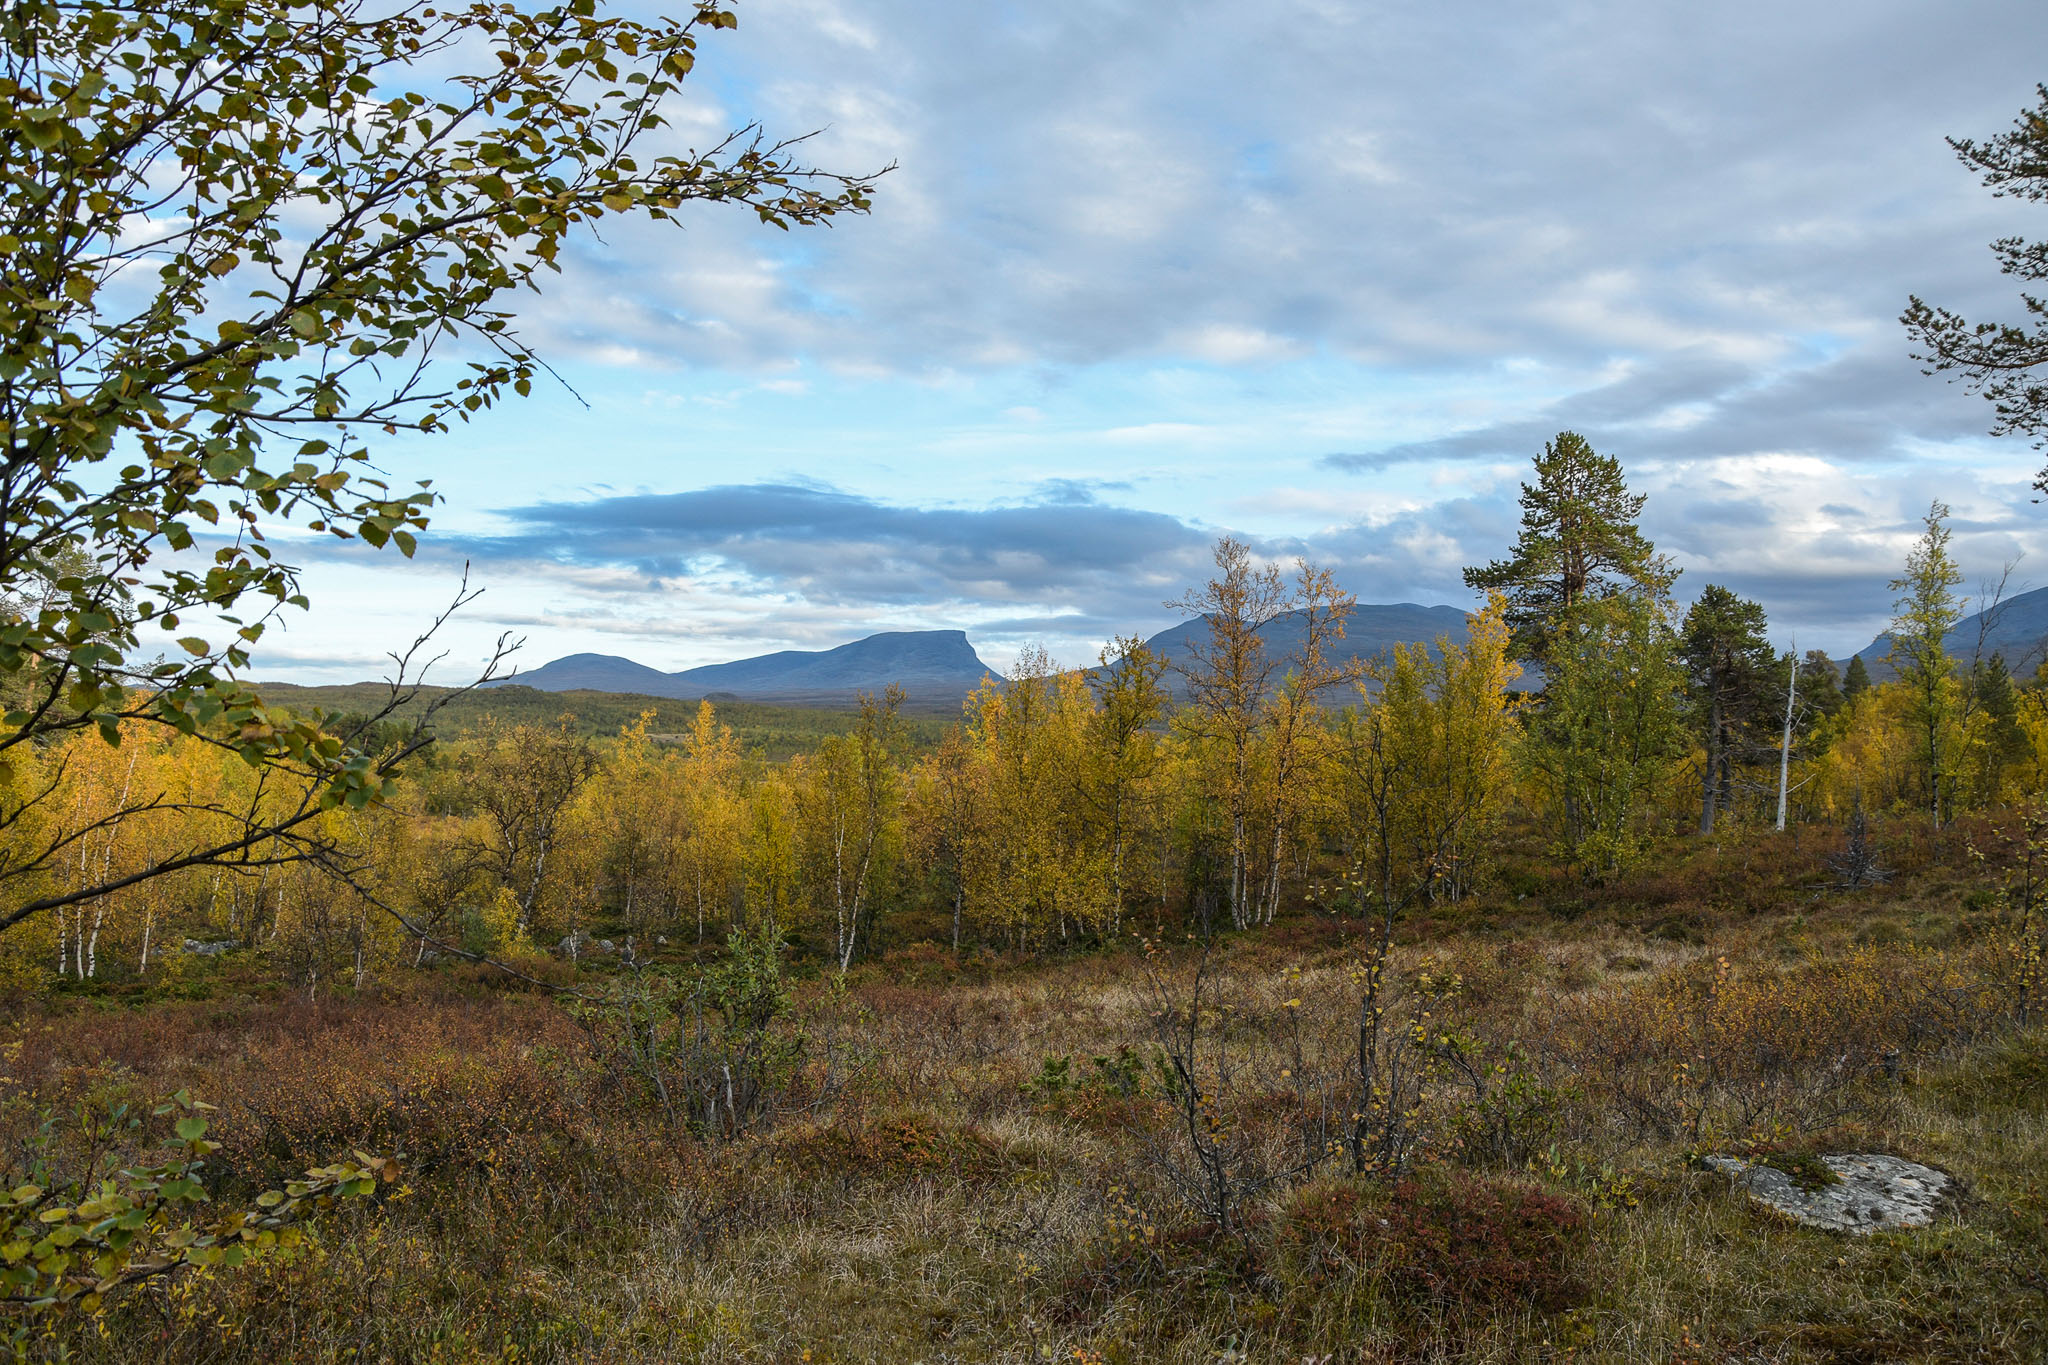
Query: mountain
x=940, y=666
x=595, y=673
x=1372, y=629
x=925, y=663
x=2016, y=628
x=920, y=660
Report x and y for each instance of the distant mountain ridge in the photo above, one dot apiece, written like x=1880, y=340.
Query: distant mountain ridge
x=938, y=668
x=922, y=662
x=934, y=665
x=1371, y=630
x=2016, y=628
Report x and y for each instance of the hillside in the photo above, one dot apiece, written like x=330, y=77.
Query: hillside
x=2016, y=628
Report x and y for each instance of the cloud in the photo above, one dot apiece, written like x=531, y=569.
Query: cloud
x=824, y=545
x=1865, y=405
x=1075, y=186
x=1174, y=256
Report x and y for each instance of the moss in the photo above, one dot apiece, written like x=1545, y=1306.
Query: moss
x=1807, y=1170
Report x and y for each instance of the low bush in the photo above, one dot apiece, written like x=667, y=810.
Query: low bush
x=889, y=1149
x=1438, y=1241
x=1482, y=1244
x=1706, y=1052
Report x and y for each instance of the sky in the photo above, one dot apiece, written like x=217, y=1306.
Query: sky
x=1324, y=275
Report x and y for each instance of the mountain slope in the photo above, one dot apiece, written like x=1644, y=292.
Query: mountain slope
x=2016, y=628
x=1372, y=630
x=919, y=660
x=594, y=673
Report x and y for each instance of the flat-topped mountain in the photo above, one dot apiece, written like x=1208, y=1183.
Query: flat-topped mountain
x=922, y=662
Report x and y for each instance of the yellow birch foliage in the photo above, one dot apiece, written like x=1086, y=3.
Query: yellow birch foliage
x=1445, y=722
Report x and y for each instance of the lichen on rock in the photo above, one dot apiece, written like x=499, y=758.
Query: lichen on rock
x=1870, y=1192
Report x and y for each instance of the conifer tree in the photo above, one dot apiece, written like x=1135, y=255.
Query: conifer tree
x=1729, y=669
x=2007, y=362
x=1579, y=541
x=1998, y=738
x=1855, y=679
x=1820, y=684
x=1608, y=727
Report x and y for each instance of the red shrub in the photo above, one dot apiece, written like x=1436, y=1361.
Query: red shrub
x=1482, y=1243
x=1472, y=1242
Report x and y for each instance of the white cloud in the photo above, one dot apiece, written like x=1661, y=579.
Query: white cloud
x=1390, y=233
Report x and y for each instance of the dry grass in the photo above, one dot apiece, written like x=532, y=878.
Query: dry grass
x=939, y=1209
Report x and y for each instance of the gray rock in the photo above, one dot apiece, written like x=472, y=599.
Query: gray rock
x=1872, y=1193
x=578, y=943
x=194, y=946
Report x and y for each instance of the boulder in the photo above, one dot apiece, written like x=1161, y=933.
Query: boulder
x=580, y=944
x=1866, y=1193
x=194, y=946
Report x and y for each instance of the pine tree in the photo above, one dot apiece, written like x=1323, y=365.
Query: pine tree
x=1579, y=541
x=2007, y=362
x=1821, y=690
x=1607, y=728
x=1855, y=679
x=1998, y=739
x=1730, y=669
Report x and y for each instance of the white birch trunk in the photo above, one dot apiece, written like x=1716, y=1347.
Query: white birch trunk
x=1785, y=748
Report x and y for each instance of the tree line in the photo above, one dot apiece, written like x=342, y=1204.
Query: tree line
x=1214, y=790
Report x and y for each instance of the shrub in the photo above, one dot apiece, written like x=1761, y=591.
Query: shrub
x=1483, y=1244
x=716, y=1052
x=110, y=1218
x=1513, y=1113
x=889, y=1149
x=1710, y=1053
x=1436, y=1243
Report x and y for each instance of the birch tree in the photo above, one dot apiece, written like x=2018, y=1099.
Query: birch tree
x=1924, y=613
x=239, y=240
